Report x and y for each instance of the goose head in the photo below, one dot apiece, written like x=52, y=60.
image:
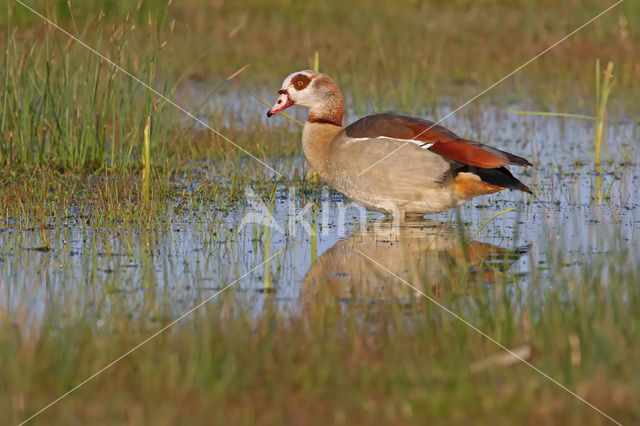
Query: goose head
x=310, y=89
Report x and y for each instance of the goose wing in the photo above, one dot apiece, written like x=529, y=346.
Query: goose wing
x=433, y=137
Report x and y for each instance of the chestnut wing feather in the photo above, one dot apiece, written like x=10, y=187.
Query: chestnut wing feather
x=443, y=141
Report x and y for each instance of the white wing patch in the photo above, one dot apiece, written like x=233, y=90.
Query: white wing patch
x=423, y=145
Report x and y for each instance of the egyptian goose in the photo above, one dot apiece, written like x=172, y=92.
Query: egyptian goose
x=392, y=163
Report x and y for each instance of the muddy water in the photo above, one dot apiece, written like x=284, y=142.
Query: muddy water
x=333, y=245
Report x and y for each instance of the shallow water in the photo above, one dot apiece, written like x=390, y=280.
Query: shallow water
x=93, y=273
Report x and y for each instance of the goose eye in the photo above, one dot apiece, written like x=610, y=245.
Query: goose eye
x=300, y=83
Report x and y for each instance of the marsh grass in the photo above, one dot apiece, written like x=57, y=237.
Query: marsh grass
x=602, y=98
x=91, y=124
x=66, y=109
x=410, y=363
x=602, y=92
x=146, y=165
x=398, y=362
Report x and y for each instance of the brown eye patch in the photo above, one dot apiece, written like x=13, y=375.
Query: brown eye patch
x=300, y=81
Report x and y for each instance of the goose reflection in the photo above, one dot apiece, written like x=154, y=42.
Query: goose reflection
x=429, y=255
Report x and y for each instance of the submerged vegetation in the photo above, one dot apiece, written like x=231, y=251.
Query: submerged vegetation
x=119, y=213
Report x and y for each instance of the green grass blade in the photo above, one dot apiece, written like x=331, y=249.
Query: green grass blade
x=491, y=220
x=551, y=114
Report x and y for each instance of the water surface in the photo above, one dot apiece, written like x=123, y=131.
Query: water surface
x=158, y=274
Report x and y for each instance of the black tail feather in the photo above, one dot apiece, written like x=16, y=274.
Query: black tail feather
x=499, y=176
